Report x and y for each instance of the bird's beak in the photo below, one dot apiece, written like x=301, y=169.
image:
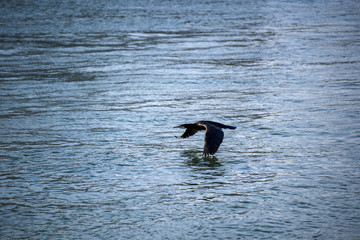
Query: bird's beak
x=179, y=126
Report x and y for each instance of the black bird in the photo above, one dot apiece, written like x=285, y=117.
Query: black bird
x=213, y=135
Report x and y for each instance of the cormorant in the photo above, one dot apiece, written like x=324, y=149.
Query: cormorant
x=213, y=135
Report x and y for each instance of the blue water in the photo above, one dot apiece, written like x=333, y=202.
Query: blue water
x=90, y=92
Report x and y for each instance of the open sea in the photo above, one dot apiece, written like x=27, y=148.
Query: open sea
x=90, y=92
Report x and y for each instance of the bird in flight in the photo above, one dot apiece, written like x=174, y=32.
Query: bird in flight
x=213, y=134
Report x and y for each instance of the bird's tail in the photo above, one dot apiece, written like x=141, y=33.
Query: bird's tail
x=222, y=125
x=229, y=127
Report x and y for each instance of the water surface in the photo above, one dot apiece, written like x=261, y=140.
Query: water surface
x=90, y=92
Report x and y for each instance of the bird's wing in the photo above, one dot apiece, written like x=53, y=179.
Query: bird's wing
x=189, y=132
x=213, y=138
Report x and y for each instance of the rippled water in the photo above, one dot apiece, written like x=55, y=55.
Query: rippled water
x=91, y=90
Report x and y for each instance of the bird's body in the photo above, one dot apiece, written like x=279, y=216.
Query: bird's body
x=213, y=135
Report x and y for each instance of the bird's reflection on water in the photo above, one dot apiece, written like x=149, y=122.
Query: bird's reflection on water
x=196, y=158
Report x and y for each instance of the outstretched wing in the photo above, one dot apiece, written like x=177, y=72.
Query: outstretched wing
x=213, y=138
x=189, y=132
